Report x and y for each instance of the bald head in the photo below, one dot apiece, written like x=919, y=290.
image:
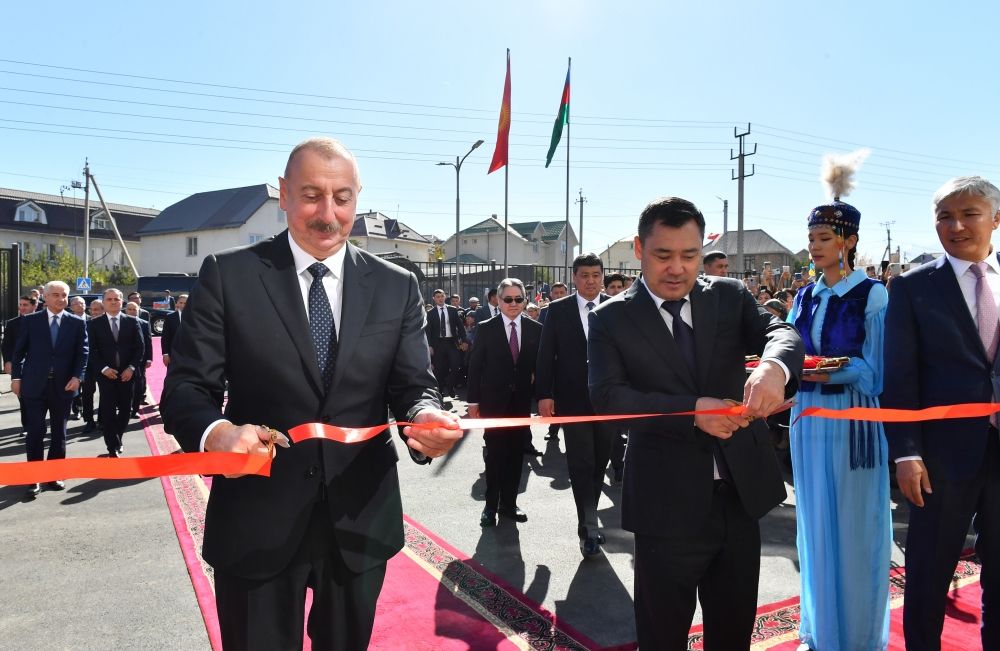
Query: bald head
x=328, y=148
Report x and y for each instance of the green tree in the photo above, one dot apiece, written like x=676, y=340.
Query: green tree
x=39, y=268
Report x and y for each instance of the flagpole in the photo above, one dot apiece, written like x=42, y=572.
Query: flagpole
x=506, y=178
x=569, y=66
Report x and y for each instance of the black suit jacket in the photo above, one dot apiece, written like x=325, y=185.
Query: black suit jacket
x=500, y=387
x=635, y=367
x=170, y=326
x=934, y=356
x=130, y=345
x=147, y=341
x=562, y=359
x=455, y=322
x=248, y=303
x=10, y=330
x=35, y=356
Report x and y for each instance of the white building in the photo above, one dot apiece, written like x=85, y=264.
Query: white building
x=47, y=223
x=209, y=222
x=539, y=243
x=621, y=255
x=376, y=233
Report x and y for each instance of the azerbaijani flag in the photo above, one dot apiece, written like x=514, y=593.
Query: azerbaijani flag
x=561, y=118
x=503, y=130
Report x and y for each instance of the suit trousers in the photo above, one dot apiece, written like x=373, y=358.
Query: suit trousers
x=447, y=363
x=720, y=565
x=139, y=394
x=618, y=449
x=87, y=396
x=55, y=401
x=504, y=464
x=934, y=541
x=115, y=409
x=588, y=449
x=268, y=614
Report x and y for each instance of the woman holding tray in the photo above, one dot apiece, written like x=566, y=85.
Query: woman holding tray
x=841, y=467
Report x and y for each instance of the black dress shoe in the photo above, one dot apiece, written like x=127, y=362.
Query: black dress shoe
x=89, y=427
x=56, y=485
x=619, y=474
x=589, y=547
x=74, y=415
x=488, y=518
x=134, y=414
x=514, y=514
x=582, y=535
x=532, y=451
x=33, y=491
x=113, y=454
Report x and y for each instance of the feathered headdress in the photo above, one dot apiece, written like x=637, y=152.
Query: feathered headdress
x=838, y=179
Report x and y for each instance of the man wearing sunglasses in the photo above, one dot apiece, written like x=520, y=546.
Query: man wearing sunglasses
x=501, y=384
x=561, y=389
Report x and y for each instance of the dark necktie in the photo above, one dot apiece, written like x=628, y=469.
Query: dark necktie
x=321, y=325
x=54, y=330
x=114, y=333
x=590, y=305
x=515, y=348
x=444, y=333
x=684, y=338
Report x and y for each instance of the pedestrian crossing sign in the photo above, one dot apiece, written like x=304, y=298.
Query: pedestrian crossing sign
x=83, y=284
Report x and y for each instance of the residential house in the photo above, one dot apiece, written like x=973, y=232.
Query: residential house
x=621, y=255
x=378, y=234
x=535, y=242
x=758, y=248
x=209, y=222
x=48, y=223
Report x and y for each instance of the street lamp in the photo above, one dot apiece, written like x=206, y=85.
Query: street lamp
x=458, y=247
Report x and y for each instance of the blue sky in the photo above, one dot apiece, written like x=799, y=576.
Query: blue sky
x=168, y=99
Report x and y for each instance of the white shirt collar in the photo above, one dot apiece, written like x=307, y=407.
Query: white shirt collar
x=303, y=260
x=507, y=321
x=581, y=302
x=53, y=314
x=962, y=266
x=656, y=299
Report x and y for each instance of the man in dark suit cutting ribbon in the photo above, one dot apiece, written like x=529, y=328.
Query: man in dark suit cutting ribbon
x=694, y=486
x=304, y=328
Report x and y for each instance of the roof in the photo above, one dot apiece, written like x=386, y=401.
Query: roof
x=755, y=242
x=213, y=210
x=468, y=258
x=491, y=225
x=550, y=230
x=65, y=217
x=375, y=224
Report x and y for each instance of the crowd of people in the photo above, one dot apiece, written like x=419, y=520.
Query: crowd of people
x=674, y=340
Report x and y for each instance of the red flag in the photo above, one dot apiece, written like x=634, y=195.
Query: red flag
x=503, y=131
x=712, y=237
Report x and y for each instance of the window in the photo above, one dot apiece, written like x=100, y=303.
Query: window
x=100, y=222
x=255, y=237
x=53, y=251
x=562, y=246
x=192, y=246
x=121, y=259
x=31, y=213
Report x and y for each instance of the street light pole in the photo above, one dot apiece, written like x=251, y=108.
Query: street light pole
x=458, y=211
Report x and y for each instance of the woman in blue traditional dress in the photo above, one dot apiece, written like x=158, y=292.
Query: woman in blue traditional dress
x=841, y=467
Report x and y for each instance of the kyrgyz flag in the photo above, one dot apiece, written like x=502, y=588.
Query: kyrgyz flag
x=561, y=118
x=503, y=131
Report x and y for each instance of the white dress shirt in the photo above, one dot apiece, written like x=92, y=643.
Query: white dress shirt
x=581, y=304
x=333, y=283
x=517, y=328
x=442, y=311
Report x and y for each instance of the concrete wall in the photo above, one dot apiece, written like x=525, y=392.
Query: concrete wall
x=105, y=253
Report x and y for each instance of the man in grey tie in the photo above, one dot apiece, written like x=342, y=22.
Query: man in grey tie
x=118, y=347
x=941, y=349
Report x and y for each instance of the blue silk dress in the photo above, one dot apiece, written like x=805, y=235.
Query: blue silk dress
x=844, y=530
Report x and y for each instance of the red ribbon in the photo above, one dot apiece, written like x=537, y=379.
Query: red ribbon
x=231, y=463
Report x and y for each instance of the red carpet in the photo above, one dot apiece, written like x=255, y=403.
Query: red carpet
x=434, y=597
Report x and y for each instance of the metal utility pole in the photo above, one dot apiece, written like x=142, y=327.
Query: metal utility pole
x=114, y=224
x=582, y=200
x=458, y=239
x=86, y=218
x=739, y=176
x=725, y=214
x=888, y=236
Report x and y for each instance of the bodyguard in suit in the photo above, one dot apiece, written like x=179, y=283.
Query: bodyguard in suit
x=170, y=327
x=491, y=309
x=138, y=396
x=118, y=347
x=694, y=487
x=445, y=333
x=25, y=306
x=304, y=328
x=941, y=349
x=89, y=388
x=50, y=357
x=501, y=384
x=561, y=389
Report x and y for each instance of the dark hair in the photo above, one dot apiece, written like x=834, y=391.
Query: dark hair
x=587, y=260
x=672, y=212
x=491, y=293
x=779, y=307
x=853, y=253
x=559, y=284
x=782, y=294
x=610, y=278
x=131, y=294
x=712, y=256
x=30, y=299
x=763, y=290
